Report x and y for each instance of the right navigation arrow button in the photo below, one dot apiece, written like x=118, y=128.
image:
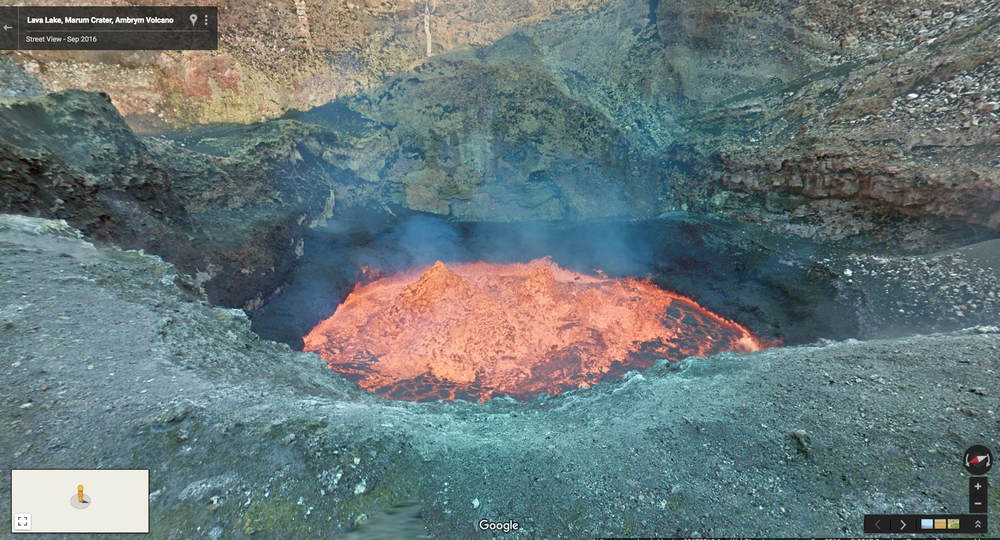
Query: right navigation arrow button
x=904, y=523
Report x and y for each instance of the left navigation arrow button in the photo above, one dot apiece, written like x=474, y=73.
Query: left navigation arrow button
x=875, y=523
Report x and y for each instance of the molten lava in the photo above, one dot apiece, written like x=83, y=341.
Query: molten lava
x=479, y=330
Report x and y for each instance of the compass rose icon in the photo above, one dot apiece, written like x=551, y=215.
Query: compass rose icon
x=978, y=460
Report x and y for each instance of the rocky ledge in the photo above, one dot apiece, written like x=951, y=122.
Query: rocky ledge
x=111, y=360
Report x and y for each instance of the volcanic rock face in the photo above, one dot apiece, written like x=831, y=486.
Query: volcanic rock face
x=232, y=214
x=914, y=128
x=682, y=105
x=277, y=55
x=480, y=330
x=831, y=120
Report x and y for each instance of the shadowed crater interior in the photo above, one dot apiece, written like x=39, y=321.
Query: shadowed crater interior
x=765, y=284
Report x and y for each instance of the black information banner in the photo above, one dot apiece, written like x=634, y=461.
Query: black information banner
x=29, y=28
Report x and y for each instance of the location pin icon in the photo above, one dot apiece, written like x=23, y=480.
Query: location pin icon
x=194, y=19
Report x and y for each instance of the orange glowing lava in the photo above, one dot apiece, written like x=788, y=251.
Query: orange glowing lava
x=477, y=330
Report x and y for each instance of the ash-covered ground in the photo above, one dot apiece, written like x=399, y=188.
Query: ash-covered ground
x=112, y=359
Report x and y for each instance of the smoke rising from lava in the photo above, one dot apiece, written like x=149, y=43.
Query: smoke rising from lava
x=477, y=330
